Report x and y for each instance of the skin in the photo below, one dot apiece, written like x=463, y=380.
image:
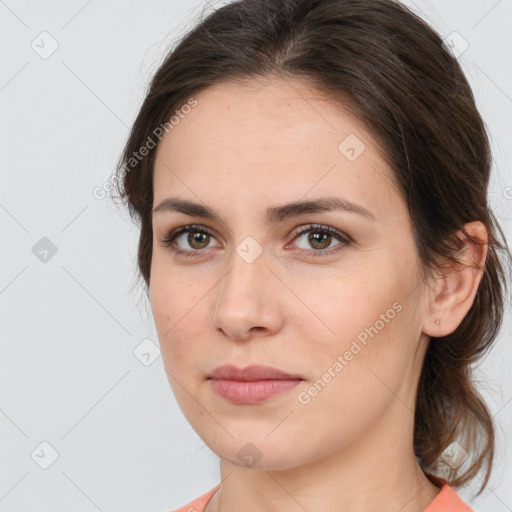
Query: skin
x=245, y=148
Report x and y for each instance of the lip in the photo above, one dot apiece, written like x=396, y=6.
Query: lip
x=251, y=373
x=252, y=384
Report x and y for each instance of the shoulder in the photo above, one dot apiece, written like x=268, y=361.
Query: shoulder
x=448, y=500
x=199, y=504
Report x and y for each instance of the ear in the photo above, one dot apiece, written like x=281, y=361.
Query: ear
x=454, y=288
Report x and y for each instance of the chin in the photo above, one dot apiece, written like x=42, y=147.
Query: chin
x=258, y=451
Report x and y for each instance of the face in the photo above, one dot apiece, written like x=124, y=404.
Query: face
x=331, y=296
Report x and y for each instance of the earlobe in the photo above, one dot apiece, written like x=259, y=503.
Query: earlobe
x=454, y=288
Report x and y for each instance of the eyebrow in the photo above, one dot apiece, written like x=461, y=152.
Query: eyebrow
x=274, y=214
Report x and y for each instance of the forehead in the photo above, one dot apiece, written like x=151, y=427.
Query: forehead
x=281, y=139
x=265, y=114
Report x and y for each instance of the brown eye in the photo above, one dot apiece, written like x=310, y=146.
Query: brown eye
x=197, y=239
x=319, y=240
x=190, y=240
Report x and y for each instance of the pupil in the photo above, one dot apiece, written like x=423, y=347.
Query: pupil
x=317, y=237
x=195, y=238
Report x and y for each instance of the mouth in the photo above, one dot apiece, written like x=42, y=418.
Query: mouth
x=252, y=384
x=251, y=373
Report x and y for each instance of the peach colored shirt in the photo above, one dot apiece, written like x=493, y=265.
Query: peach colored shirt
x=446, y=501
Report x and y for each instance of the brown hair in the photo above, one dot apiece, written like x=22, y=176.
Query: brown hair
x=392, y=71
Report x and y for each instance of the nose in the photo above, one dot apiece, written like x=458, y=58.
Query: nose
x=247, y=302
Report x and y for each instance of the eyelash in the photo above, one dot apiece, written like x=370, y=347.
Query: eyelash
x=341, y=237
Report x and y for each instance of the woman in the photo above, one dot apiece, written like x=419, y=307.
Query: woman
x=310, y=178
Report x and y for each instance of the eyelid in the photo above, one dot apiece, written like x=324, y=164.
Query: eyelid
x=174, y=233
x=343, y=237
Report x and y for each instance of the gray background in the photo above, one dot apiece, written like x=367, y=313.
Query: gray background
x=73, y=326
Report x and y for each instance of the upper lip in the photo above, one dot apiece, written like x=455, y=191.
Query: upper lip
x=251, y=373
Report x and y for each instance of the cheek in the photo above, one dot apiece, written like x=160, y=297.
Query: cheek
x=174, y=296
x=365, y=319
x=341, y=307
x=356, y=380
x=180, y=308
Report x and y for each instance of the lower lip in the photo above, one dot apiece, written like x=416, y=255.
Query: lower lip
x=245, y=392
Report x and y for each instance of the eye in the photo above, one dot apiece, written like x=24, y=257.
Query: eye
x=197, y=238
x=320, y=239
